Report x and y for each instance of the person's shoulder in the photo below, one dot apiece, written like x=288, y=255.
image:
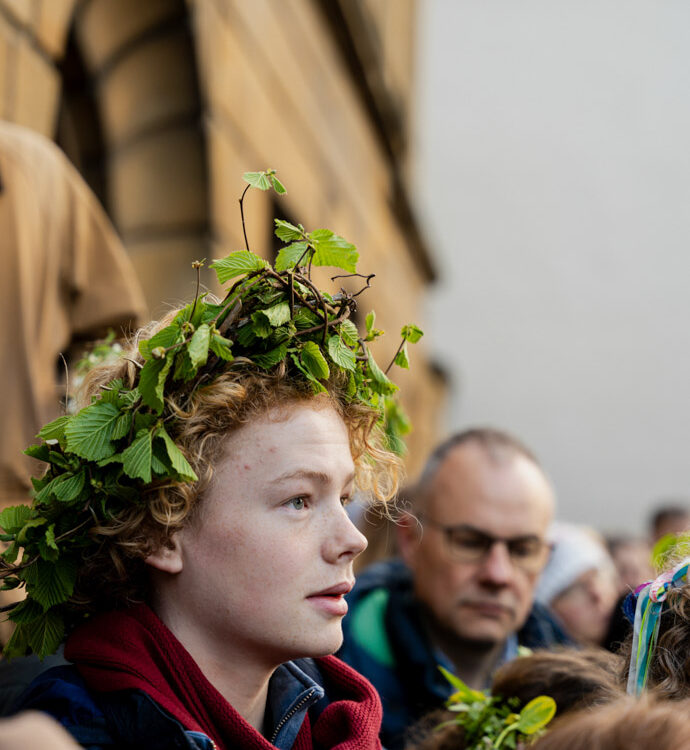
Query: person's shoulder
x=62, y=693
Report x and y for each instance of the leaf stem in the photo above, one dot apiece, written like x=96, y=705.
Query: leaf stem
x=402, y=343
x=197, y=264
x=244, y=229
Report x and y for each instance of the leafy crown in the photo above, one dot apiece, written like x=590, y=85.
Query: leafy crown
x=100, y=458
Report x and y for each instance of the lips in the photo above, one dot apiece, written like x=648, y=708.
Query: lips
x=330, y=601
x=488, y=608
x=340, y=589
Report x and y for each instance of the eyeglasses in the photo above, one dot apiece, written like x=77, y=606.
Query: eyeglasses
x=467, y=544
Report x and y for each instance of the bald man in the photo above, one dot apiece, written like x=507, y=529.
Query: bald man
x=473, y=545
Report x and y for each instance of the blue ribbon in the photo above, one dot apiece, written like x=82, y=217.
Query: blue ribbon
x=650, y=604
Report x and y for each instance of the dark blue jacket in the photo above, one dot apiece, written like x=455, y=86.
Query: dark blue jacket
x=386, y=641
x=132, y=719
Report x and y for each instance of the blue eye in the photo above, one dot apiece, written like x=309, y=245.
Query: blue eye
x=297, y=503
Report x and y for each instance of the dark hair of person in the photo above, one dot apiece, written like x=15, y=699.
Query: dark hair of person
x=624, y=724
x=574, y=679
x=667, y=513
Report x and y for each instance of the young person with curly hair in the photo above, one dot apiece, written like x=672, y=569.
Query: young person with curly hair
x=203, y=593
x=214, y=563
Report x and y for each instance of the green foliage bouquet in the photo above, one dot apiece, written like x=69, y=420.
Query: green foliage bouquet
x=490, y=721
x=101, y=458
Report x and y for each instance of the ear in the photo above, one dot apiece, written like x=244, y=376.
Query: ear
x=167, y=558
x=409, y=534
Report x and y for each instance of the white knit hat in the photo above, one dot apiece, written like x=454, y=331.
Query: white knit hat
x=575, y=551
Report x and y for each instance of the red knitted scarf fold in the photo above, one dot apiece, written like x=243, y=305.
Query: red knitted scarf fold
x=134, y=650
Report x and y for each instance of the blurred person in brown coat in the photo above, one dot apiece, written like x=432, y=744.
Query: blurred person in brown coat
x=65, y=277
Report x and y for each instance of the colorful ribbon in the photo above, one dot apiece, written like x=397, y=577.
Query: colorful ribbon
x=650, y=603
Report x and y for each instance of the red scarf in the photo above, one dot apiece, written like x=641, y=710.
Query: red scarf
x=134, y=650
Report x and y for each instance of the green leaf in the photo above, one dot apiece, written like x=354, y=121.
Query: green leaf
x=198, y=346
x=380, y=381
x=122, y=426
x=177, y=459
x=278, y=314
x=40, y=452
x=165, y=338
x=54, y=430
x=305, y=318
x=412, y=333
x=30, y=524
x=70, y=487
x=136, y=459
x=13, y=519
x=50, y=537
x=464, y=693
x=348, y=330
x=261, y=326
x=536, y=714
x=316, y=385
x=237, y=263
x=288, y=256
x=271, y=358
x=332, y=250
x=341, y=354
x=401, y=358
x=152, y=381
x=46, y=634
x=183, y=367
x=51, y=583
x=220, y=346
x=26, y=611
x=314, y=361
x=287, y=232
x=258, y=180
x=89, y=432
x=11, y=553
x=278, y=185
x=369, y=321
x=245, y=335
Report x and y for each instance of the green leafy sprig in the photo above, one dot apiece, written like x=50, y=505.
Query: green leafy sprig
x=491, y=721
x=100, y=459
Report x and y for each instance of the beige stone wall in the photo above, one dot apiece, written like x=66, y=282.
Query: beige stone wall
x=189, y=95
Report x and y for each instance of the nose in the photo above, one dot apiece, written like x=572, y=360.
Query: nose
x=496, y=569
x=344, y=541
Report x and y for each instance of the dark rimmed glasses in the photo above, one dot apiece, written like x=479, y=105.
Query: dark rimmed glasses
x=467, y=544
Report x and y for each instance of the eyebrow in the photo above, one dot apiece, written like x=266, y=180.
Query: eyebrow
x=318, y=476
x=480, y=532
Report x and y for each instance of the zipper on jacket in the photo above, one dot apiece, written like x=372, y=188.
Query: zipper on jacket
x=290, y=714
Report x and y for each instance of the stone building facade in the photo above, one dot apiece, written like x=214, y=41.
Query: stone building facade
x=163, y=104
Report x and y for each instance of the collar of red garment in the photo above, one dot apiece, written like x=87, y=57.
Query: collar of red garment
x=134, y=650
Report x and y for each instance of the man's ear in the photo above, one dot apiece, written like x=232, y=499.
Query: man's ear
x=409, y=533
x=167, y=558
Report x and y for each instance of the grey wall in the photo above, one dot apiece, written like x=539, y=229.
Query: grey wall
x=554, y=172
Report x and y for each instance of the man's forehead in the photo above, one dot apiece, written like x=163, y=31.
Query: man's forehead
x=481, y=488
